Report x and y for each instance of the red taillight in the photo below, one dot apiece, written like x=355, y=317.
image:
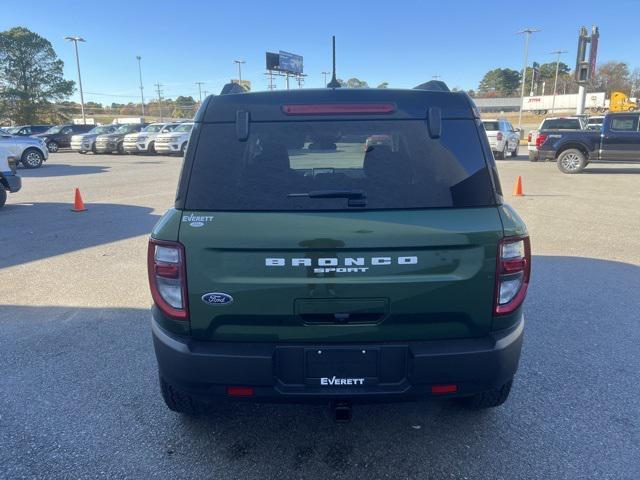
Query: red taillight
x=512, y=274
x=442, y=389
x=499, y=136
x=167, y=277
x=338, y=108
x=529, y=138
x=540, y=139
x=240, y=391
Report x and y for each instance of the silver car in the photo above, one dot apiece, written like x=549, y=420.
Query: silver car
x=31, y=151
x=86, y=142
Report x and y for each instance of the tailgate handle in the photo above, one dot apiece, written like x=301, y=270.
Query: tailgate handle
x=342, y=318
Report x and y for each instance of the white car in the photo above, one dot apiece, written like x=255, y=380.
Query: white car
x=144, y=141
x=503, y=138
x=553, y=123
x=175, y=141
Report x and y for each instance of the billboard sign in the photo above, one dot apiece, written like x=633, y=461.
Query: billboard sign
x=290, y=62
x=593, y=52
x=273, y=61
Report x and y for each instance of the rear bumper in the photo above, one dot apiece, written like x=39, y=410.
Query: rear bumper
x=279, y=372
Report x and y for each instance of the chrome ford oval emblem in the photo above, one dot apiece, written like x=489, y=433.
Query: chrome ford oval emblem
x=217, y=298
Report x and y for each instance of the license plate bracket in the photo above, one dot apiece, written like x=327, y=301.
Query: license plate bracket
x=341, y=363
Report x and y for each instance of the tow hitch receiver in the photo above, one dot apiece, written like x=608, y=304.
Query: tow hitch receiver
x=341, y=411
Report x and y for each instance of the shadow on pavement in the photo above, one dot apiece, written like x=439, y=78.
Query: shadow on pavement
x=40, y=230
x=85, y=379
x=60, y=170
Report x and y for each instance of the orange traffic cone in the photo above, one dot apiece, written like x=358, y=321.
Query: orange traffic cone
x=78, y=204
x=517, y=188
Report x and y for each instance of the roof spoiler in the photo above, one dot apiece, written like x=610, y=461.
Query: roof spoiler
x=232, y=88
x=434, y=86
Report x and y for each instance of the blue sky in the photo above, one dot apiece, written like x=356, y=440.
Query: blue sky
x=402, y=42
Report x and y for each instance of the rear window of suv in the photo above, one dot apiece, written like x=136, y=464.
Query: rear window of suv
x=561, y=124
x=491, y=126
x=394, y=164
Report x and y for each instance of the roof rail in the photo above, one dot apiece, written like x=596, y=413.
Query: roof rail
x=433, y=85
x=232, y=88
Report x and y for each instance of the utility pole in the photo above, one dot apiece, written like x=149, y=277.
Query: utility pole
x=139, y=58
x=199, y=84
x=526, y=32
x=239, y=62
x=555, y=82
x=325, y=77
x=158, y=85
x=75, y=39
x=206, y=93
x=269, y=74
x=533, y=77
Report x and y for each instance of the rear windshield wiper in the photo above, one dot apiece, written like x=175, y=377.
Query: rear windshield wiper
x=357, y=198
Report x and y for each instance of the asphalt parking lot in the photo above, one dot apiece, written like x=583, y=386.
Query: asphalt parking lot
x=78, y=388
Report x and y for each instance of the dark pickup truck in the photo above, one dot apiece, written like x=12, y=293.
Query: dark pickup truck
x=617, y=142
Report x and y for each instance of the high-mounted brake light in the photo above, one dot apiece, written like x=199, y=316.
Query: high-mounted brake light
x=338, y=108
x=529, y=138
x=512, y=274
x=167, y=277
x=540, y=139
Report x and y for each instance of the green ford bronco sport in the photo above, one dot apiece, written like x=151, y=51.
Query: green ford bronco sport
x=338, y=245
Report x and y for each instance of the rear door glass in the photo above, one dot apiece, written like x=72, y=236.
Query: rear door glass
x=491, y=126
x=286, y=166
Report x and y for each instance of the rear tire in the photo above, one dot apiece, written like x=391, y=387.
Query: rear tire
x=120, y=148
x=489, y=399
x=183, y=149
x=572, y=161
x=181, y=402
x=151, y=149
x=3, y=196
x=53, y=147
x=514, y=154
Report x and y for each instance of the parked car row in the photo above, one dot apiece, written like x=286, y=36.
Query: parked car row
x=163, y=137
x=171, y=137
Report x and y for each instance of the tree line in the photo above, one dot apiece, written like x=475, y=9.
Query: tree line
x=539, y=79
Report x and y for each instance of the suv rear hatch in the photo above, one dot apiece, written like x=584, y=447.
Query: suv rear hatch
x=330, y=230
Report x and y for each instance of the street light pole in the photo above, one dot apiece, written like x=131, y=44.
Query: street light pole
x=75, y=39
x=527, y=32
x=139, y=58
x=239, y=62
x=325, y=77
x=555, y=83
